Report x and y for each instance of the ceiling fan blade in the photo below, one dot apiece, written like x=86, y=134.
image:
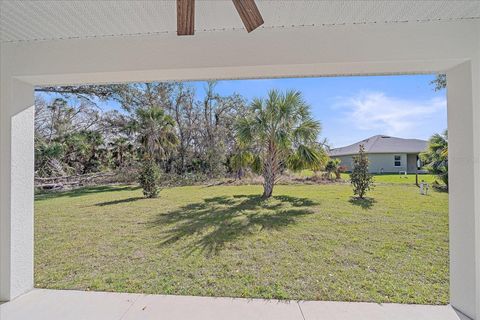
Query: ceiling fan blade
x=248, y=11
x=185, y=17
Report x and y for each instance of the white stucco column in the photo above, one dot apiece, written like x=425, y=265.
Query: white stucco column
x=464, y=174
x=16, y=188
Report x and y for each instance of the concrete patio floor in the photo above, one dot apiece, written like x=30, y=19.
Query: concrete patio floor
x=43, y=304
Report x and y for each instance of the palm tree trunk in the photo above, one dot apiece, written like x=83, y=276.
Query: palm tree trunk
x=120, y=158
x=268, y=185
x=240, y=173
x=269, y=172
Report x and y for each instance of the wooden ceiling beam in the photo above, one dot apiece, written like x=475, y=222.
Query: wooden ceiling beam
x=185, y=17
x=249, y=13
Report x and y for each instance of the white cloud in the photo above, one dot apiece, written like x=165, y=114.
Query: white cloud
x=375, y=111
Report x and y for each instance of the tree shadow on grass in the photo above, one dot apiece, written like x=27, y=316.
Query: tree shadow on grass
x=119, y=201
x=209, y=225
x=364, y=203
x=85, y=191
x=440, y=188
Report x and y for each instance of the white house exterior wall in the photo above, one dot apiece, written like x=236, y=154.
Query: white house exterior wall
x=345, y=161
x=385, y=161
x=411, y=163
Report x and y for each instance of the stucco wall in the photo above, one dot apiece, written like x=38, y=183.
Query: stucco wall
x=16, y=189
x=345, y=161
x=411, y=163
x=379, y=161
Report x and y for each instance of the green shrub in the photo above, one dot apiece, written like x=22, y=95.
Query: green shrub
x=435, y=157
x=332, y=167
x=360, y=178
x=149, y=178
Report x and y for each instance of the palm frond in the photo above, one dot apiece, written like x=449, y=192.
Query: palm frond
x=257, y=164
x=305, y=157
x=307, y=131
x=244, y=128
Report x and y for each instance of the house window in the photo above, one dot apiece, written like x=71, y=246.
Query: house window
x=398, y=161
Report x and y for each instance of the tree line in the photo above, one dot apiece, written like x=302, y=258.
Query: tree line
x=162, y=128
x=185, y=135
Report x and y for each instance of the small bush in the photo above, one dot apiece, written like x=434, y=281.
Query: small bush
x=331, y=167
x=360, y=178
x=148, y=178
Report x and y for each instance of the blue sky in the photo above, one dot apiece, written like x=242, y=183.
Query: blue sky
x=353, y=108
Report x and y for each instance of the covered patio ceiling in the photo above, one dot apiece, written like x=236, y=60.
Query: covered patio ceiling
x=53, y=20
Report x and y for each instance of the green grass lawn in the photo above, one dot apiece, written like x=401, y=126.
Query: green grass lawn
x=399, y=178
x=309, y=242
x=385, y=178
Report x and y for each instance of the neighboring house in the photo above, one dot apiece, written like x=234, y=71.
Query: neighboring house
x=386, y=154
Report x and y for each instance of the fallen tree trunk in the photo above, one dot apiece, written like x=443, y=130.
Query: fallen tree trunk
x=73, y=181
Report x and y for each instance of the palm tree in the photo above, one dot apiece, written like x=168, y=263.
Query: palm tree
x=120, y=149
x=323, y=158
x=241, y=159
x=333, y=167
x=282, y=132
x=48, y=158
x=436, y=156
x=156, y=132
